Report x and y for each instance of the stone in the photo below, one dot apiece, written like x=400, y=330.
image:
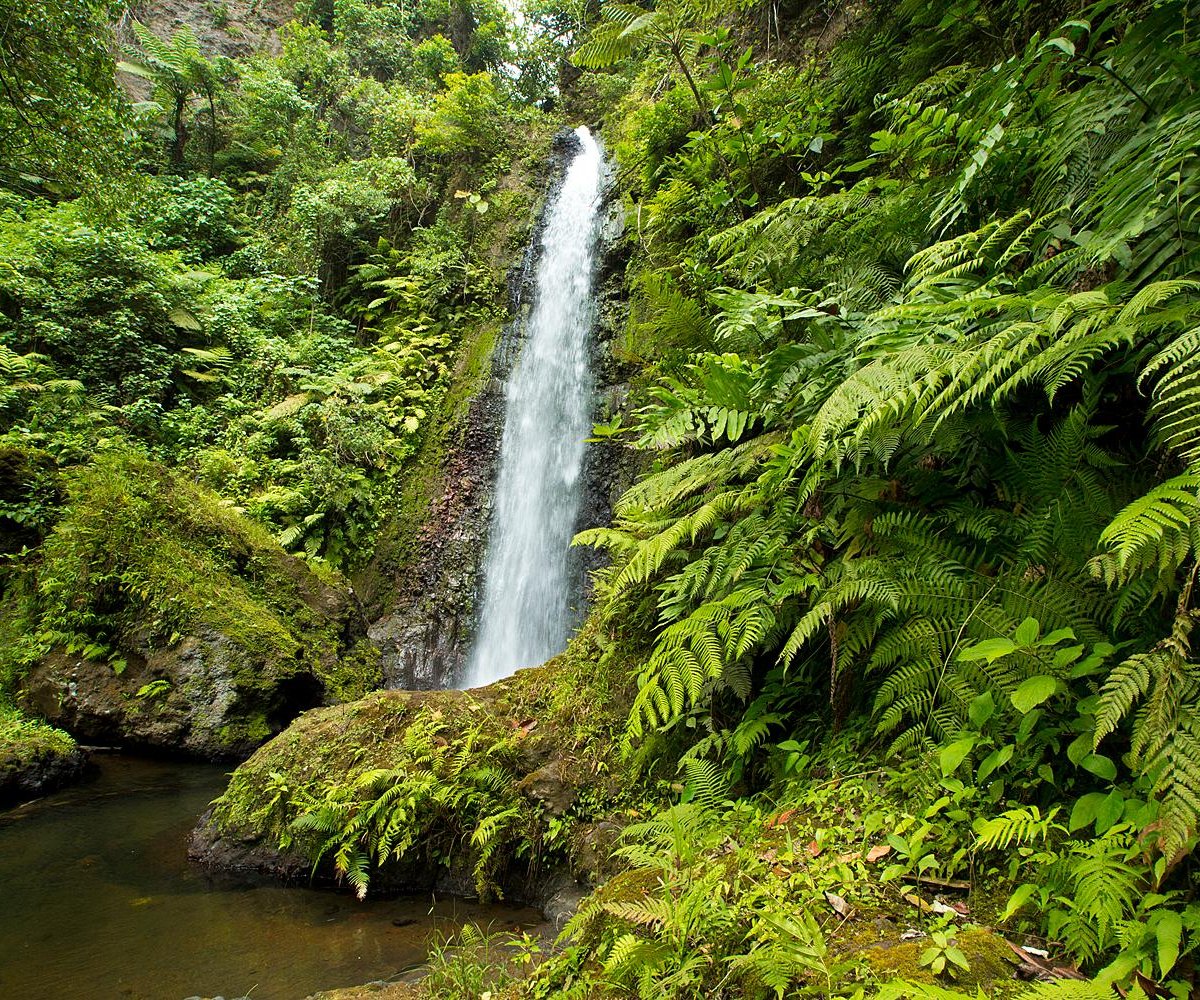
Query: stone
x=552, y=787
x=28, y=777
x=216, y=702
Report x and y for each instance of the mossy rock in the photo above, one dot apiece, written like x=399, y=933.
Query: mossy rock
x=560, y=718
x=375, y=991
x=888, y=957
x=35, y=758
x=173, y=622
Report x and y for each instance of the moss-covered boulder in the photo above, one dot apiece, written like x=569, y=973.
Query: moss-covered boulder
x=162, y=618
x=35, y=758
x=465, y=791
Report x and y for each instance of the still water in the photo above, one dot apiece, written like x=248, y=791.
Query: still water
x=98, y=901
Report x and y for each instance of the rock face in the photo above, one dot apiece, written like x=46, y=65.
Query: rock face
x=203, y=697
x=230, y=28
x=424, y=637
x=542, y=736
x=428, y=620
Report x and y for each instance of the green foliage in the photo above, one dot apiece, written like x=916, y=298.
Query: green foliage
x=195, y=216
x=26, y=739
x=108, y=312
x=476, y=961
x=1055, y=989
x=139, y=549
x=918, y=398
x=439, y=793
x=466, y=120
x=178, y=71
x=59, y=127
x=943, y=956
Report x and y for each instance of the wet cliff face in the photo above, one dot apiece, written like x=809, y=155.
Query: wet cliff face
x=226, y=27
x=609, y=468
x=425, y=635
x=426, y=620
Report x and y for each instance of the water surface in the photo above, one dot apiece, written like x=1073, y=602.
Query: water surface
x=98, y=901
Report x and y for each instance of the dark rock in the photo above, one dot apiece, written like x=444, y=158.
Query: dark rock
x=229, y=860
x=215, y=701
x=550, y=786
x=592, y=850
x=28, y=777
x=559, y=899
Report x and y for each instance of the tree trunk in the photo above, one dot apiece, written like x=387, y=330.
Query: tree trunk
x=212, y=130
x=179, y=142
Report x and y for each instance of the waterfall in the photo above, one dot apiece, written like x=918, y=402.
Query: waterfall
x=528, y=583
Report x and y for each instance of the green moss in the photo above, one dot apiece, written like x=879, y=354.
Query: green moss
x=355, y=673
x=23, y=739
x=989, y=957
x=246, y=731
x=141, y=549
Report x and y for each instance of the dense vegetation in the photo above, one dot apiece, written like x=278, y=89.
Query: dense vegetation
x=235, y=289
x=919, y=322
x=906, y=588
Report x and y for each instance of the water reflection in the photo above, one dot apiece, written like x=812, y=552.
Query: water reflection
x=100, y=902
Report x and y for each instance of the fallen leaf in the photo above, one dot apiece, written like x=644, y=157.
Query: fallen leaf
x=918, y=902
x=781, y=819
x=878, y=851
x=962, y=909
x=840, y=906
x=814, y=849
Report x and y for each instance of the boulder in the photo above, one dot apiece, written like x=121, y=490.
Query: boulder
x=29, y=776
x=523, y=748
x=205, y=697
x=35, y=758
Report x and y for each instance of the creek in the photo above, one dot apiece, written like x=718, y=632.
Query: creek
x=100, y=902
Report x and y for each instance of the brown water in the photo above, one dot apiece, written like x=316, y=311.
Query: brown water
x=98, y=901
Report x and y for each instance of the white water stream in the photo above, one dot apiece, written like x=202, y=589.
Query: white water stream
x=528, y=588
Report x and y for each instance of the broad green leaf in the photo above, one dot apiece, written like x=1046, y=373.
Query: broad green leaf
x=1168, y=932
x=1018, y=899
x=1032, y=692
x=981, y=709
x=1079, y=747
x=1100, y=766
x=1085, y=809
x=1109, y=811
x=954, y=754
x=997, y=758
x=1028, y=632
x=989, y=649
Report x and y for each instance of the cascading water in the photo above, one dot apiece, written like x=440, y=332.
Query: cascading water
x=527, y=583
